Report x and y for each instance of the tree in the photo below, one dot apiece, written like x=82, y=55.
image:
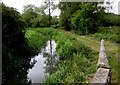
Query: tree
x=15, y=49
x=67, y=9
x=40, y=21
x=86, y=20
x=33, y=8
x=29, y=13
x=50, y=6
x=80, y=16
x=32, y=15
x=54, y=20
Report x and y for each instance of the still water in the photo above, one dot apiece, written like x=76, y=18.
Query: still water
x=45, y=63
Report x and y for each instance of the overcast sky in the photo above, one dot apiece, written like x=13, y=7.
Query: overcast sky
x=18, y=4
x=115, y=6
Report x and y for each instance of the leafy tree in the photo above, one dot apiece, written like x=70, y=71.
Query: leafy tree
x=28, y=16
x=106, y=18
x=29, y=8
x=86, y=20
x=35, y=16
x=14, y=44
x=33, y=8
x=67, y=9
x=54, y=20
x=40, y=10
x=82, y=17
x=40, y=21
x=29, y=13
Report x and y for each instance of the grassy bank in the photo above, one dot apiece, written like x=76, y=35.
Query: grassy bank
x=107, y=33
x=111, y=49
x=77, y=61
x=37, y=38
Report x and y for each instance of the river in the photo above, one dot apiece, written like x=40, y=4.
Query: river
x=45, y=63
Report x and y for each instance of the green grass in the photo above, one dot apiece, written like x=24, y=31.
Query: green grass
x=37, y=38
x=107, y=33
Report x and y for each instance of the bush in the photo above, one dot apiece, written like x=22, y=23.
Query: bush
x=108, y=33
x=55, y=26
x=40, y=21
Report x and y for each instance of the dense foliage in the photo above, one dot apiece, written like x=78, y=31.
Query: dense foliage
x=15, y=49
x=110, y=19
x=86, y=20
x=82, y=17
x=40, y=21
x=67, y=9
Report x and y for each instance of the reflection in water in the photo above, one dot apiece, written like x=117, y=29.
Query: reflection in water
x=46, y=63
x=36, y=74
x=51, y=56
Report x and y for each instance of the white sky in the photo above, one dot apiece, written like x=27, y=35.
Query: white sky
x=115, y=6
x=18, y=4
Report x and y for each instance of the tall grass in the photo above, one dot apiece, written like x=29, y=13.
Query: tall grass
x=108, y=33
x=37, y=38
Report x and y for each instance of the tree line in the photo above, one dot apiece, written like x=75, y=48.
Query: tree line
x=36, y=17
x=84, y=17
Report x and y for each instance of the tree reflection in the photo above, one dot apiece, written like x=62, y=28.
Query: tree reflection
x=52, y=58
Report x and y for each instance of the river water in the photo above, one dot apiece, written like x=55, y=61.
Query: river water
x=45, y=63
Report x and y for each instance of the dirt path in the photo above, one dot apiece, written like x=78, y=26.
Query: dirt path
x=94, y=44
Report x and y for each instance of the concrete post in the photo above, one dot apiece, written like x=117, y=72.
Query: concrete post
x=103, y=61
